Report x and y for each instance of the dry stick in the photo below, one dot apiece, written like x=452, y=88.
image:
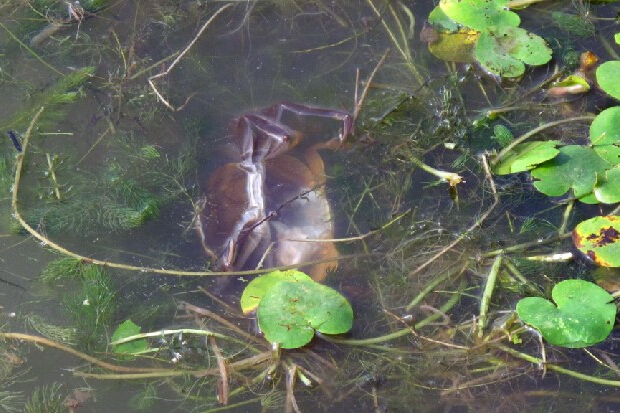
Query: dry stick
x=223, y=388
x=179, y=57
x=79, y=354
x=475, y=225
x=354, y=238
x=210, y=314
x=360, y=102
x=215, y=371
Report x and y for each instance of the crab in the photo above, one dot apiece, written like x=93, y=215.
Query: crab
x=268, y=208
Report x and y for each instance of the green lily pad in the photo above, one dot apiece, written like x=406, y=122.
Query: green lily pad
x=608, y=190
x=291, y=311
x=584, y=315
x=256, y=289
x=480, y=14
x=526, y=156
x=505, y=50
x=575, y=167
x=438, y=19
x=127, y=329
x=608, y=78
x=599, y=239
x=605, y=134
x=605, y=128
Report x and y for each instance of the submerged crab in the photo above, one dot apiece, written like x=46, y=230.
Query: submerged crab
x=261, y=209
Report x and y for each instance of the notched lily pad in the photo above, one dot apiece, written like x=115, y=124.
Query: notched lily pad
x=480, y=14
x=290, y=312
x=256, y=289
x=505, y=50
x=575, y=167
x=584, y=315
x=599, y=239
x=526, y=156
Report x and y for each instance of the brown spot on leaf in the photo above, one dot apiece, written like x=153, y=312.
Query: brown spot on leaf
x=592, y=255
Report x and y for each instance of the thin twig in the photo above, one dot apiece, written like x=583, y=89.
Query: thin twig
x=360, y=102
x=49, y=343
x=179, y=57
x=223, y=382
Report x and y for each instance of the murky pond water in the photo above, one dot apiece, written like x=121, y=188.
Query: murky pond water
x=114, y=116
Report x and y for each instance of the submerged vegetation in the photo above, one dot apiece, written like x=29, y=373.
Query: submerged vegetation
x=458, y=204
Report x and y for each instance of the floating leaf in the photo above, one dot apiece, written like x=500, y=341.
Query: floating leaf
x=526, y=156
x=454, y=47
x=574, y=167
x=438, y=19
x=127, y=329
x=256, y=289
x=505, y=50
x=608, y=190
x=598, y=238
x=608, y=78
x=584, y=315
x=290, y=312
x=480, y=14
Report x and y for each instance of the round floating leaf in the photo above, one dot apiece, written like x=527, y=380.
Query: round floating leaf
x=584, y=315
x=574, y=167
x=608, y=191
x=608, y=78
x=605, y=128
x=290, y=312
x=605, y=134
x=598, y=238
x=505, y=50
x=526, y=156
x=256, y=289
x=480, y=14
x=127, y=329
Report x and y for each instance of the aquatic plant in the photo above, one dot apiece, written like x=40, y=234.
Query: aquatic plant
x=92, y=308
x=584, y=316
x=290, y=306
x=46, y=399
x=598, y=239
x=499, y=45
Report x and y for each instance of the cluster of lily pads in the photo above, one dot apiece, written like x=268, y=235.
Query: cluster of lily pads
x=490, y=33
x=584, y=313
